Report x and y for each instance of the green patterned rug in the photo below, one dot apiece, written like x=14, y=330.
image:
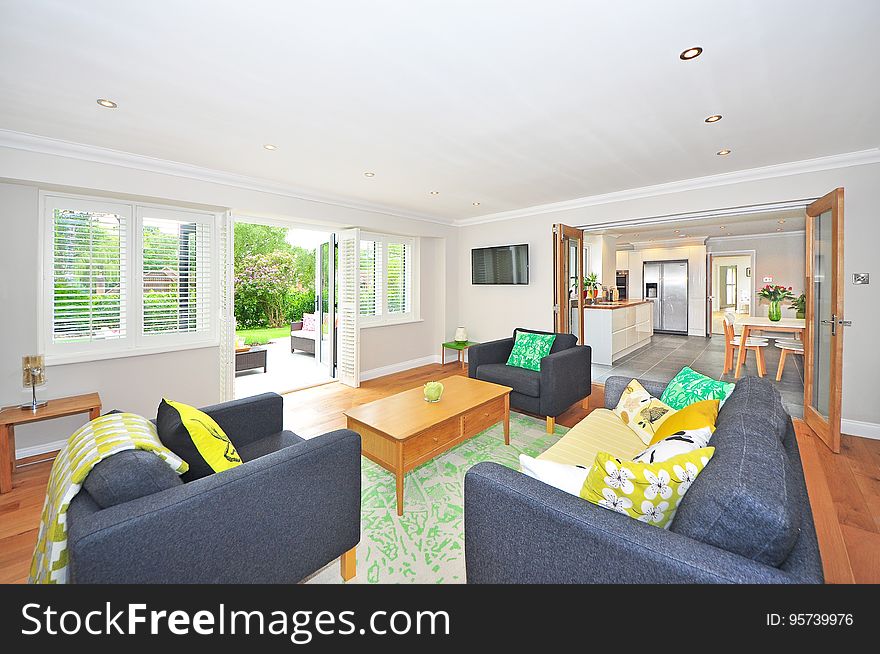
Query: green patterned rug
x=426, y=544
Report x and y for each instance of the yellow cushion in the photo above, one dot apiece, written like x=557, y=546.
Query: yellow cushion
x=650, y=492
x=600, y=431
x=694, y=416
x=640, y=411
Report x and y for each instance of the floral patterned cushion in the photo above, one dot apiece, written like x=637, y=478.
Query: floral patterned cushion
x=690, y=386
x=529, y=349
x=649, y=492
x=641, y=412
x=308, y=322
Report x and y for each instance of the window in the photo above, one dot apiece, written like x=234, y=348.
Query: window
x=122, y=279
x=386, y=279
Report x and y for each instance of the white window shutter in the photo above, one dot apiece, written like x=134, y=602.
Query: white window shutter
x=348, y=336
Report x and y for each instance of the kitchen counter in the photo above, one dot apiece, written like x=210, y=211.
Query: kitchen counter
x=620, y=304
x=614, y=334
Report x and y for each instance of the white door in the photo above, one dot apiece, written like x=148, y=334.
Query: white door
x=348, y=335
x=325, y=299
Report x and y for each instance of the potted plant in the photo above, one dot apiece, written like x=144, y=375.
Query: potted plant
x=799, y=304
x=776, y=294
x=591, y=283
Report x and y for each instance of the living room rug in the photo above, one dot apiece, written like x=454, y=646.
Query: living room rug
x=426, y=543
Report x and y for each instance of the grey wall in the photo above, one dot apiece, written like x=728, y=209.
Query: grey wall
x=193, y=376
x=493, y=311
x=130, y=384
x=780, y=256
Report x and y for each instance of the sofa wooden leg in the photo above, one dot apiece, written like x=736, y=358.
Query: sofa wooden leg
x=551, y=424
x=585, y=403
x=348, y=564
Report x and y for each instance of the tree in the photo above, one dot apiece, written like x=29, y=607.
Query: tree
x=258, y=239
x=265, y=280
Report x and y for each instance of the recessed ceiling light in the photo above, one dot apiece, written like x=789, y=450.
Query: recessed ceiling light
x=724, y=152
x=269, y=146
x=109, y=104
x=368, y=174
x=691, y=53
x=435, y=192
x=677, y=231
x=722, y=227
x=779, y=229
x=781, y=221
x=476, y=204
x=713, y=119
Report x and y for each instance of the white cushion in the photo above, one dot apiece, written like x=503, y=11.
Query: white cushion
x=679, y=443
x=301, y=333
x=565, y=477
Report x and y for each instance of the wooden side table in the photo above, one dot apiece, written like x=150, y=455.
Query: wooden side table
x=14, y=415
x=455, y=345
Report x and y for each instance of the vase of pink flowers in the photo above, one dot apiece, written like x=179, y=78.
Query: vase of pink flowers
x=776, y=295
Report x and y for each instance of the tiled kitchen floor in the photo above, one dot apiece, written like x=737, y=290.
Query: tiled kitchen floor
x=668, y=353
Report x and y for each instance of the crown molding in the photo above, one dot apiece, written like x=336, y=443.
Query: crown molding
x=745, y=237
x=669, y=243
x=95, y=154
x=859, y=158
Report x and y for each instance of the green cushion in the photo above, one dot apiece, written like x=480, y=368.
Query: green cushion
x=529, y=349
x=689, y=386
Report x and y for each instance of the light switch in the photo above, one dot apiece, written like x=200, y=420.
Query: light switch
x=861, y=278
x=768, y=280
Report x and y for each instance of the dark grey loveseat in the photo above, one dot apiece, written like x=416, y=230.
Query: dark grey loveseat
x=564, y=378
x=746, y=519
x=289, y=509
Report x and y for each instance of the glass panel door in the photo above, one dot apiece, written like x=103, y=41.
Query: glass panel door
x=823, y=346
x=325, y=286
x=568, y=280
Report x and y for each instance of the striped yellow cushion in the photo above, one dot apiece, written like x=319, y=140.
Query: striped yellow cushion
x=600, y=431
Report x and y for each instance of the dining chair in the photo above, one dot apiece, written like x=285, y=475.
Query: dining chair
x=732, y=341
x=786, y=348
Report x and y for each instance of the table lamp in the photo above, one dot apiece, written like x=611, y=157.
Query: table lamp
x=33, y=374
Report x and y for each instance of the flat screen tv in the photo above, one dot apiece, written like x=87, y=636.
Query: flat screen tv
x=503, y=264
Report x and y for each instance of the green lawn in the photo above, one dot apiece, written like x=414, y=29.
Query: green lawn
x=261, y=336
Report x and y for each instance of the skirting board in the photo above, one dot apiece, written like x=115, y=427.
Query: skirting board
x=859, y=428
x=399, y=367
x=36, y=450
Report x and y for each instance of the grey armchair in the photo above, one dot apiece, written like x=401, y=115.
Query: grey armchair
x=288, y=510
x=564, y=378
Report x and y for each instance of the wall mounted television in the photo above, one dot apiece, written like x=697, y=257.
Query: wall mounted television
x=503, y=264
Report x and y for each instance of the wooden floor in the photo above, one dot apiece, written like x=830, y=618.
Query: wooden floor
x=844, y=489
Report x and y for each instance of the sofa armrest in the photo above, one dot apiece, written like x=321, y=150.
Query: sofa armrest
x=520, y=530
x=296, y=326
x=275, y=519
x=491, y=352
x=565, y=379
x=250, y=418
x=615, y=384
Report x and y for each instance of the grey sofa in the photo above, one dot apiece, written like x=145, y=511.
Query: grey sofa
x=289, y=509
x=564, y=378
x=746, y=518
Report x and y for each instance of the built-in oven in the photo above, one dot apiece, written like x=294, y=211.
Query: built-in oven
x=622, y=283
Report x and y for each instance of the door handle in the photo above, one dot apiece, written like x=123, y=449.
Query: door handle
x=834, y=322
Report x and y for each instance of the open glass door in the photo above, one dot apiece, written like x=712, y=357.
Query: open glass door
x=568, y=281
x=823, y=346
x=325, y=285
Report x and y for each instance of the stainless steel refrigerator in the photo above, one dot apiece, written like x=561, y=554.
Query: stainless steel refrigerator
x=666, y=283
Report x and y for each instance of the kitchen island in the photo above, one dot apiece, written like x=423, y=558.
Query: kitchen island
x=615, y=329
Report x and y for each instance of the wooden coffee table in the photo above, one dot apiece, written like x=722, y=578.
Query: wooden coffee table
x=403, y=431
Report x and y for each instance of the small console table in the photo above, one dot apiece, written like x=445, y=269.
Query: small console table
x=15, y=415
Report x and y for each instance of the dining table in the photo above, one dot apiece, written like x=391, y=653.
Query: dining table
x=797, y=326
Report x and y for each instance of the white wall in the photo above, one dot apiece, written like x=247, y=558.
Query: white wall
x=780, y=256
x=696, y=258
x=494, y=312
x=193, y=376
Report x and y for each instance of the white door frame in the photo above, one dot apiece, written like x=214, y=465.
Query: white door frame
x=710, y=298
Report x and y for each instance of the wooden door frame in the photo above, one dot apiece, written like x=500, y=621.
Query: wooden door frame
x=828, y=431
x=560, y=282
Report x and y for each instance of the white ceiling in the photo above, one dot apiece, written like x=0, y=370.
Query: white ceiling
x=711, y=227
x=506, y=103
